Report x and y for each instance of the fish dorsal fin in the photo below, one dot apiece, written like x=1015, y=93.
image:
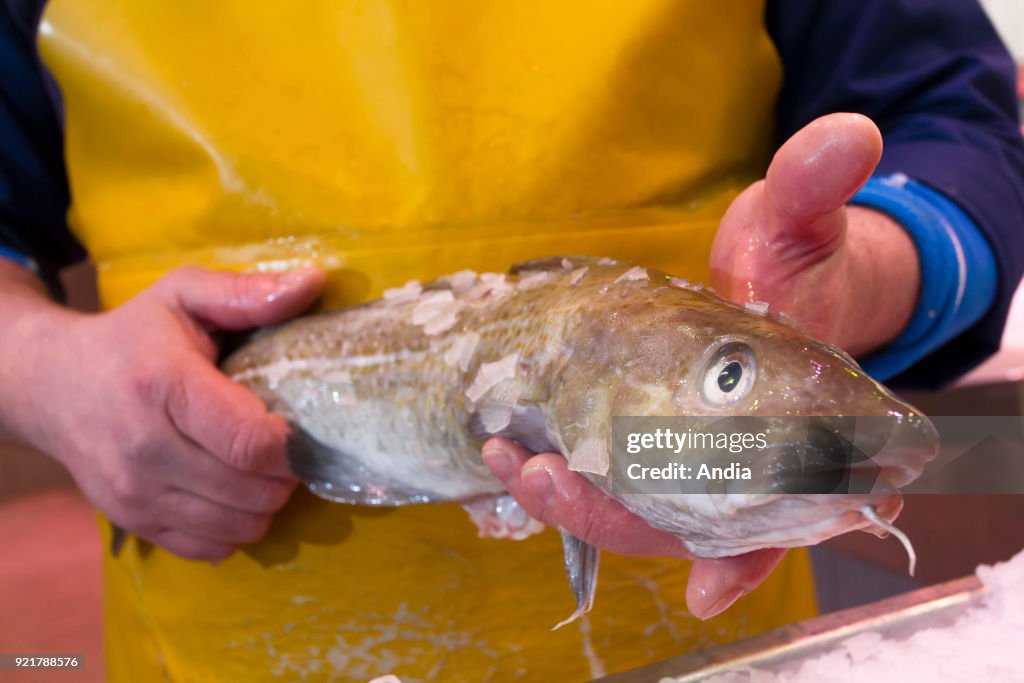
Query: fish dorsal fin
x=563, y=264
x=581, y=562
x=338, y=477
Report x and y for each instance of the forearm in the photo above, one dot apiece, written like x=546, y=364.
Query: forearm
x=30, y=320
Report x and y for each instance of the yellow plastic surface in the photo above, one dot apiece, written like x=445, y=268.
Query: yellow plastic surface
x=386, y=141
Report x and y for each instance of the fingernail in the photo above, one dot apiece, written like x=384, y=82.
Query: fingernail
x=537, y=481
x=724, y=603
x=498, y=461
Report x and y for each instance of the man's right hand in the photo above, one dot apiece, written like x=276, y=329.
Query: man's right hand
x=132, y=403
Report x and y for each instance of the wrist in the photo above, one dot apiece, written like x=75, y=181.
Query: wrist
x=883, y=280
x=34, y=326
x=958, y=270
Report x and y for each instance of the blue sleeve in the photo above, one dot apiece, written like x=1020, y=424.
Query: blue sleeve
x=33, y=184
x=939, y=83
x=958, y=270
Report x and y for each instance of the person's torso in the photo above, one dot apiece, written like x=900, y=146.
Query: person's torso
x=388, y=141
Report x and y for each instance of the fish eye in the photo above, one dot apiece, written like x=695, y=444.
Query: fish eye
x=730, y=375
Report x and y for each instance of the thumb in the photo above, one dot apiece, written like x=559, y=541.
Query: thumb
x=233, y=301
x=815, y=173
x=714, y=585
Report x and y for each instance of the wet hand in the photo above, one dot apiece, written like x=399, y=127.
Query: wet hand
x=132, y=403
x=790, y=240
x=552, y=494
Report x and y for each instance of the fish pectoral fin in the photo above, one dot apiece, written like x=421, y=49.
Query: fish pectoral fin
x=525, y=423
x=342, y=478
x=581, y=562
x=562, y=263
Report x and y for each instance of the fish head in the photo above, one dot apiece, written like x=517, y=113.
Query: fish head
x=839, y=440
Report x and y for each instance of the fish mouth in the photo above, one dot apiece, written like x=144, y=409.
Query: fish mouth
x=814, y=483
x=793, y=475
x=873, y=455
x=729, y=525
x=909, y=447
x=887, y=507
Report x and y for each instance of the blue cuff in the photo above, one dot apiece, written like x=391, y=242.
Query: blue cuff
x=958, y=269
x=24, y=261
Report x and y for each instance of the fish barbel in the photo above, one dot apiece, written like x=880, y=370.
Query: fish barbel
x=389, y=402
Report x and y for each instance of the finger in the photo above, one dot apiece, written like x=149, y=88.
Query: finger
x=198, y=472
x=714, y=585
x=227, y=420
x=793, y=223
x=551, y=493
x=191, y=547
x=816, y=172
x=202, y=518
x=234, y=301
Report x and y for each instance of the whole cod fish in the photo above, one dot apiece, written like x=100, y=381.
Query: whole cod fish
x=390, y=402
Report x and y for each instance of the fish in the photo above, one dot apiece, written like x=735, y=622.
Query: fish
x=389, y=402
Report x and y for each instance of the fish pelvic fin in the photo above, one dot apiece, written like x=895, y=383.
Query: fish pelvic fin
x=526, y=424
x=581, y=563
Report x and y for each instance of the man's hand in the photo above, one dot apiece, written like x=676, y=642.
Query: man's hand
x=847, y=275
x=850, y=276
x=549, y=492
x=133, y=405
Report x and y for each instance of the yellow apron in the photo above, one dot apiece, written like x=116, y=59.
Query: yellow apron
x=390, y=140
